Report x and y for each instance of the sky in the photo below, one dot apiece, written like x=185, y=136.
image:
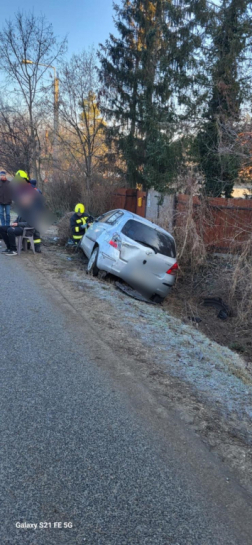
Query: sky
x=85, y=22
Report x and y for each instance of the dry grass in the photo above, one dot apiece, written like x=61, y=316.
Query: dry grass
x=65, y=192
x=189, y=237
x=64, y=231
x=241, y=285
x=190, y=234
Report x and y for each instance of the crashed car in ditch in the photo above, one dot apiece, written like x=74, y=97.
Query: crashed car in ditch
x=133, y=249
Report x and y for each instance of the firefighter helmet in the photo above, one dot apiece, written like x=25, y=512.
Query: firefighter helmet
x=79, y=209
x=22, y=174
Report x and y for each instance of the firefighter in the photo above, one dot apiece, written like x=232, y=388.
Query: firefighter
x=40, y=205
x=21, y=176
x=37, y=241
x=20, y=186
x=78, y=223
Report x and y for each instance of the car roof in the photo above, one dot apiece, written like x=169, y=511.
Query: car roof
x=132, y=215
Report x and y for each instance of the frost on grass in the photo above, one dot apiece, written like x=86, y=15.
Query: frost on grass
x=215, y=371
x=218, y=374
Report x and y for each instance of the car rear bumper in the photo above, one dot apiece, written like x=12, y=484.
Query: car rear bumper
x=151, y=283
x=136, y=276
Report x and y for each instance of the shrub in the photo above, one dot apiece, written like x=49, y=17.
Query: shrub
x=100, y=198
x=64, y=231
x=190, y=237
x=62, y=195
x=241, y=284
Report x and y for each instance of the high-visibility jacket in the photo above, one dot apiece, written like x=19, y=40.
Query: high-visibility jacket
x=78, y=226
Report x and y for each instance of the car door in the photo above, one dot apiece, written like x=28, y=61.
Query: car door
x=133, y=254
x=92, y=235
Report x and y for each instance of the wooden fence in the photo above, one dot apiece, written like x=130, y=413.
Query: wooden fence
x=133, y=200
x=223, y=223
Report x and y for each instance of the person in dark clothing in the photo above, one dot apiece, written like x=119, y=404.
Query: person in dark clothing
x=5, y=198
x=33, y=183
x=37, y=241
x=28, y=217
x=78, y=222
x=9, y=234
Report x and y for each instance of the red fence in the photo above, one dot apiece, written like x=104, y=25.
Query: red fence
x=223, y=223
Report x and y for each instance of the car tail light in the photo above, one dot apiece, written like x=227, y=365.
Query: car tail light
x=173, y=269
x=115, y=241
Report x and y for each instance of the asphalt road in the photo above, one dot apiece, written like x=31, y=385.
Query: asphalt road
x=83, y=444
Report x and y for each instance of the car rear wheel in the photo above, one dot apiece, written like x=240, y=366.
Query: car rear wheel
x=92, y=263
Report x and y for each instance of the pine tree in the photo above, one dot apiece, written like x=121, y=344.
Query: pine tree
x=147, y=72
x=217, y=143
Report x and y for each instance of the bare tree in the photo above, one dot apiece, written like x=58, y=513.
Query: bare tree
x=29, y=38
x=15, y=149
x=81, y=125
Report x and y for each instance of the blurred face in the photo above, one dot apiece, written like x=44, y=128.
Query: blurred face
x=79, y=214
x=3, y=178
x=26, y=199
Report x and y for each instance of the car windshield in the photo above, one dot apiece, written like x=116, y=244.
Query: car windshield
x=149, y=236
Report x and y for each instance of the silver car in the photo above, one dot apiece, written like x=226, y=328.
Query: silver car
x=134, y=249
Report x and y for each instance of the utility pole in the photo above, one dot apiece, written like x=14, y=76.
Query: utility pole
x=56, y=118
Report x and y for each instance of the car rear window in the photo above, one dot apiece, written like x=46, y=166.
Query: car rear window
x=149, y=236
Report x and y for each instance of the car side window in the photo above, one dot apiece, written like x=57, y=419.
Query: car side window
x=104, y=217
x=112, y=220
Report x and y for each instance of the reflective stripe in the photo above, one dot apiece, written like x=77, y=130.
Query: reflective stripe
x=77, y=229
x=83, y=220
x=37, y=240
x=77, y=237
x=79, y=221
